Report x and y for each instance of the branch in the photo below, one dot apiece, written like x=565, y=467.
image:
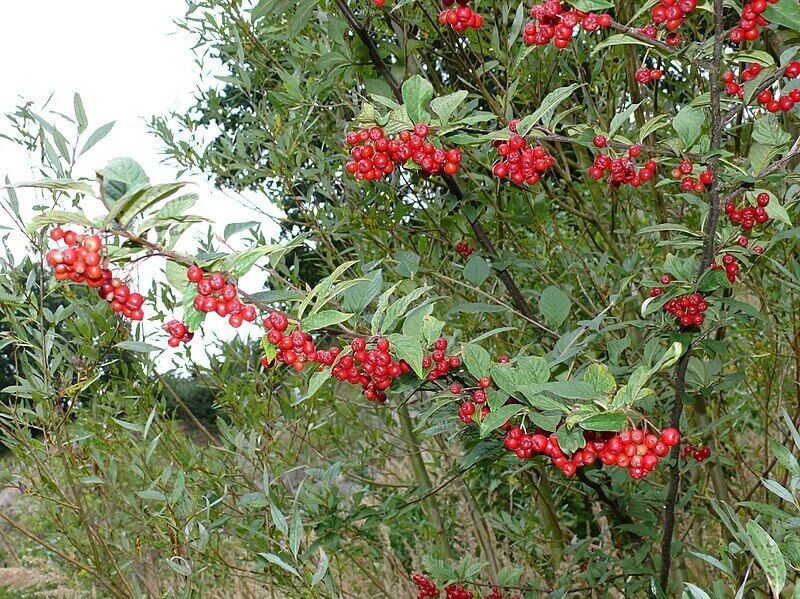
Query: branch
x=633, y=32
x=451, y=184
x=709, y=242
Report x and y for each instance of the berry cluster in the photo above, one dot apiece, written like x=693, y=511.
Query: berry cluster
x=633, y=449
x=776, y=102
x=671, y=14
x=425, y=586
x=373, y=369
x=465, y=250
x=427, y=589
x=444, y=363
x=215, y=295
x=750, y=21
x=620, y=170
x=552, y=22
x=748, y=216
x=457, y=591
x=689, y=309
x=477, y=397
x=178, y=332
x=700, y=454
x=730, y=265
x=375, y=155
x=80, y=262
x=461, y=18
x=684, y=172
x=293, y=349
x=736, y=88
x=520, y=163
x=645, y=75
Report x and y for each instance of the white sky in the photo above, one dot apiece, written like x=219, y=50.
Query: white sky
x=128, y=62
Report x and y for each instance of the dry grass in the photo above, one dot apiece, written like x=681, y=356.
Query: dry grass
x=36, y=578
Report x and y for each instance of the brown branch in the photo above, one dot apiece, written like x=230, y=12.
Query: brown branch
x=709, y=243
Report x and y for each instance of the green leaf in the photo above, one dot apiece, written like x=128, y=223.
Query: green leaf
x=778, y=489
x=538, y=400
x=605, y=421
x=380, y=309
x=121, y=177
x=278, y=519
x=599, y=377
x=409, y=349
x=785, y=457
x=619, y=39
x=497, y=418
x=688, y=124
x=621, y=118
x=476, y=359
x=547, y=420
x=232, y=229
x=476, y=270
x=57, y=217
x=769, y=556
x=359, y=296
x=324, y=319
x=445, y=106
x=135, y=204
x=554, y=305
x=516, y=25
x=55, y=185
x=570, y=439
x=768, y=131
x=274, y=559
x=696, y=592
x=398, y=120
x=399, y=308
x=657, y=122
x=784, y=12
x=80, y=113
x=550, y=101
x=407, y=263
x=590, y=5
x=240, y=263
x=295, y=534
x=177, y=206
x=570, y=389
x=417, y=94
x=506, y=377
x=96, y=136
x=414, y=321
x=322, y=568
x=152, y=495
x=533, y=369
x=138, y=346
x=774, y=209
x=137, y=428
x=301, y=18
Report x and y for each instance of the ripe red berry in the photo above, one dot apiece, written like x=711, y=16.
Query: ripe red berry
x=670, y=437
x=600, y=141
x=194, y=273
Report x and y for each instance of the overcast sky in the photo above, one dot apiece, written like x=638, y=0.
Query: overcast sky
x=128, y=62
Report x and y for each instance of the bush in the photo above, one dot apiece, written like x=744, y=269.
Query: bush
x=530, y=326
